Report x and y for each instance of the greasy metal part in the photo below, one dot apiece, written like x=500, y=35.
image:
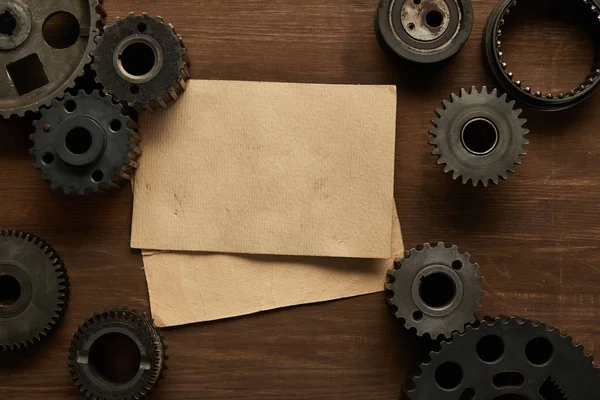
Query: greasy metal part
x=445, y=303
x=478, y=136
x=35, y=72
x=507, y=359
x=141, y=61
x=423, y=31
x=33, y=289
x=515, y=86
x=140, y=332
x=85, y=144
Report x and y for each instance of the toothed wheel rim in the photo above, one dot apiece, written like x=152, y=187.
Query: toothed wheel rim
x=435, y=290
x=83, y=360
x=33, y=289
x=507, y=357
x=495, y=131
x=157, y=75
x=545, y=101
x=85, y=144
x=59, y=63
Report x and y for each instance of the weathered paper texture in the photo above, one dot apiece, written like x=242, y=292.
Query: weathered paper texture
x=268, y=168
x=195, y=287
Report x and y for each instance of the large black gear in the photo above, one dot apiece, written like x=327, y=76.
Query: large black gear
x=519, y=90
x=95, y=372
x=140, y=60
x=39, y=65
x=424, y=31
x=502, y=359
x=478, y=136
x=435, y=290
x=85, y=143
x=33, y=289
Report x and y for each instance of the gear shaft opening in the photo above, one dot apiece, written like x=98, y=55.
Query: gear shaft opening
x=10, y=290
x=115, y=358
x=138, y=59
x=78, y=141
x=8, y=23
x=437, y=290
x=479, y=136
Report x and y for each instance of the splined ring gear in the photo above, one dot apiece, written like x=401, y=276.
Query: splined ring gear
x=478, y=136
x=516, y=88
x=435, y=290
x=140, y=60
x=425, y=31
x=501, y=359
x=40, y=63
x=85, y=144
x=99, y=344
x=33, y=289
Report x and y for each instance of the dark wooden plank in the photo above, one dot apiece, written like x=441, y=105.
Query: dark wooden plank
x=536, y=236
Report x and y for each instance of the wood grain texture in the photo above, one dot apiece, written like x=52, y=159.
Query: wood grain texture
x=535, y=236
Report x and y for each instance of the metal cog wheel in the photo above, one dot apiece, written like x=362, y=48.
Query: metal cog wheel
x=85, y=144
x=435, y=290
x=44, y=47
x=503, y=359
x=140, y=60
x=478, y=136
x=99, y=346
x=33, y=289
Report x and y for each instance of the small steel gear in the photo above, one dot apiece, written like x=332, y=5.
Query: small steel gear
x=507, y=359
x=142, y=61
x=103, y=346
x=44, y=47
x=85, y=143
x=33, y=289
x=423, y=31
x=544, y=101
x=435, y=290
x=478, y=136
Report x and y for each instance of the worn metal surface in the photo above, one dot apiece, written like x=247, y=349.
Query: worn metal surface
x=425, y=20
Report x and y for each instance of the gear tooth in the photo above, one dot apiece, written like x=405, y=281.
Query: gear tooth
x=454, y=97
x=445, y=105
x=463, y=92
x=495, y=92
x=503, y=97
x=484, y=90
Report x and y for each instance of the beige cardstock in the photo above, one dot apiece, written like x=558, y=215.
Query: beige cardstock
x=267, y=168
x=194, y=287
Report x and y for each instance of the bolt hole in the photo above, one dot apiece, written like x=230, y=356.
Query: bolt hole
x=417, y=2
x=8, y=23
x=97, y=176
x=137, y=59
x=142, y=27
x=434, y=18
x=411, y=26
x=417, y=315
x=479, y=136
x=135, y=89
x=437, y=290
x=457, y=265
x=115, y=125
x=10, y=290
x=70, y=106
x=115, y=358
x=47, y=158
x=448, y=375
x=490, y=348
x=539, y=351
x=506, y=379
x=78, y=140
x=61, y=30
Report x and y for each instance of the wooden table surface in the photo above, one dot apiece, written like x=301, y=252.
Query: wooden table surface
x=535, y=236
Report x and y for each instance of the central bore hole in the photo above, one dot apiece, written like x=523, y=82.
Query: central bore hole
x=138, y=59
x=10, y=290
x=115, y=358
x=8, y=23
x=437, y=290
x=78, y=140
x=479, y=136
x=434, y=18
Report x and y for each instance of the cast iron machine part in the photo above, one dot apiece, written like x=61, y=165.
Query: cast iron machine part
x=518, y=89
x=33, y=290
x=85, y=143
x=44, y=47
x=435, y=290
x=141, y=61
x=100, y=346
x=499, y=359
x=478, y=136
x=423, y=31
